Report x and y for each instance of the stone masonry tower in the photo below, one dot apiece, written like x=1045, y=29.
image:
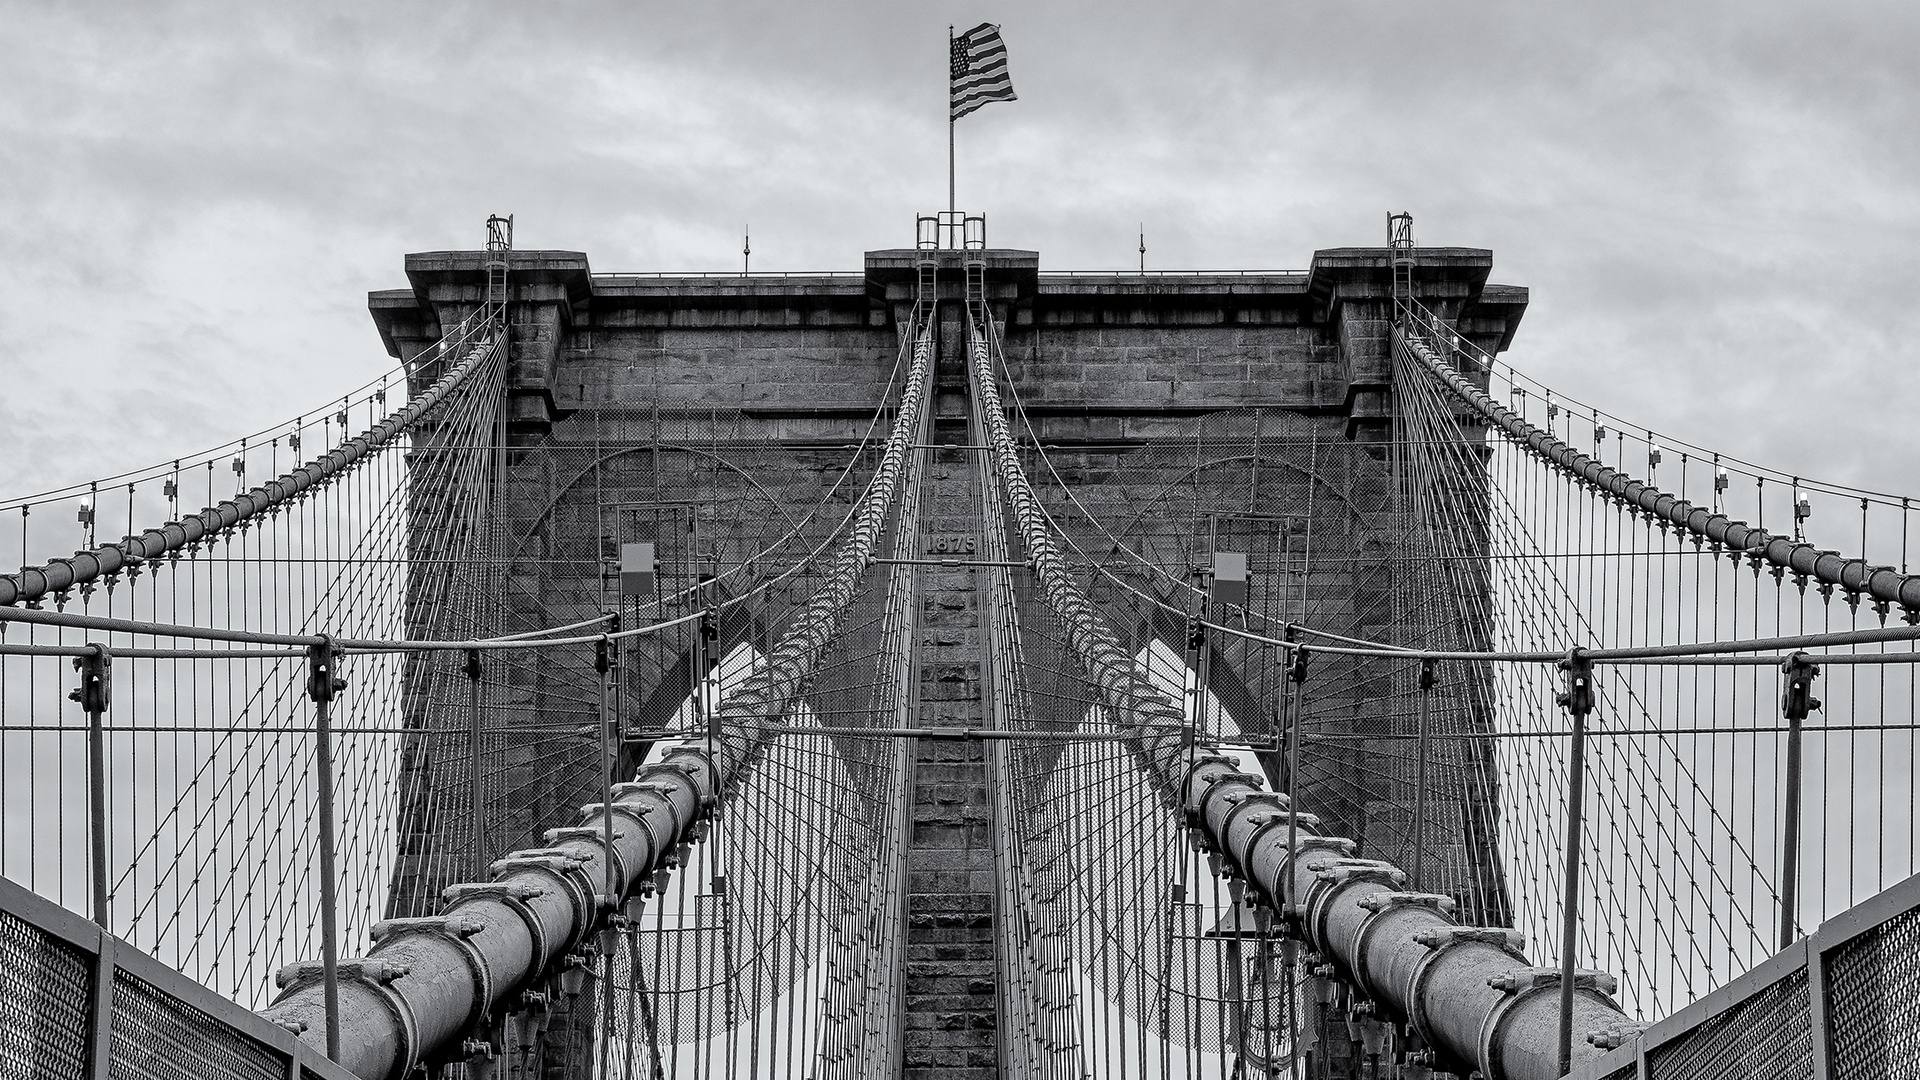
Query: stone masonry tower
x=631, y=399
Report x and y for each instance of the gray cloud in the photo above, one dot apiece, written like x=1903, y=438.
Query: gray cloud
x=1713, y=203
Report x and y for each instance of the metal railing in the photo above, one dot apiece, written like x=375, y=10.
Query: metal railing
x=1840, y=1004
x=1129, y=271
x=644, y=274
x=79, y=1002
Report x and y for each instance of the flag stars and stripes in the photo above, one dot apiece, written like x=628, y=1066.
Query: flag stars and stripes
x=979, y=64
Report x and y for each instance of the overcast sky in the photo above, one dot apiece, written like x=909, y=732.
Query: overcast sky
x=1714, y=204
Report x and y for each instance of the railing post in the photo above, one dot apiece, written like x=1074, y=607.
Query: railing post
x=101, y=1029
x=605, y=660
x=1420, y=780
x=323, y=682
x=1295, y=688
x=706, y=715
x=95, y=694
x=1577, y=699
x=1796, y=701
x=477, y=828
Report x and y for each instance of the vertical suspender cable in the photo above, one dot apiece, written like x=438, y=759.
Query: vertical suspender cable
x=1468, y=990
x=427, y=980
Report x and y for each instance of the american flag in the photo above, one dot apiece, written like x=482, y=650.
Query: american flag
x=980, y=70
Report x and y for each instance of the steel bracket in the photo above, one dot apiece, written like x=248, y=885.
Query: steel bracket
x=1335, y=876
x=565, y=870
x=1379, y=905
x=377, y=976
x=512, y=896
x=455, y=929
x=1441, y=941
x=1202, y=761
x=1217, y=786
x=1520, y=985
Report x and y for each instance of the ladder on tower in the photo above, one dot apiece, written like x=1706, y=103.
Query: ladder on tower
x=499, y=243
x=926, y=266
x=973, y=261
x=1402, y=256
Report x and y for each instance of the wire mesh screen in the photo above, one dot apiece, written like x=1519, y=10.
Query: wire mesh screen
x=1873, y=1002
x=1769, y=1034
x=46, y=1006
x=157, y=1037
x=1869, y=963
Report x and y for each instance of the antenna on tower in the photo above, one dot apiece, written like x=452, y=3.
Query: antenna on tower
x=746, y=248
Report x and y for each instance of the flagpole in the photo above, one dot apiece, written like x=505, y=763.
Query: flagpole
x=952, y=204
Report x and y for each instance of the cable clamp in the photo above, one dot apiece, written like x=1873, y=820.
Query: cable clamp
x=1346, y=871
x=1387, y=901
x=1247, y=804
x=580, y=832
x=545, y=853
x=1796, y=696
x=372, y=972
x=635, y=787
x=1215, y=782
x=1540, y=978
x=1442, y=941
x=458, y=926
x=566, y=871
x=1381, y=908
x=491, y=890
x=1619, y=1035
x=511, y=895
x=1483, y=935
x=1522, y=986
x=665, y=792
x=456, y=929
x=368, y=969
x=1305, y=847
x=1283, y=818
x=1577, y=672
